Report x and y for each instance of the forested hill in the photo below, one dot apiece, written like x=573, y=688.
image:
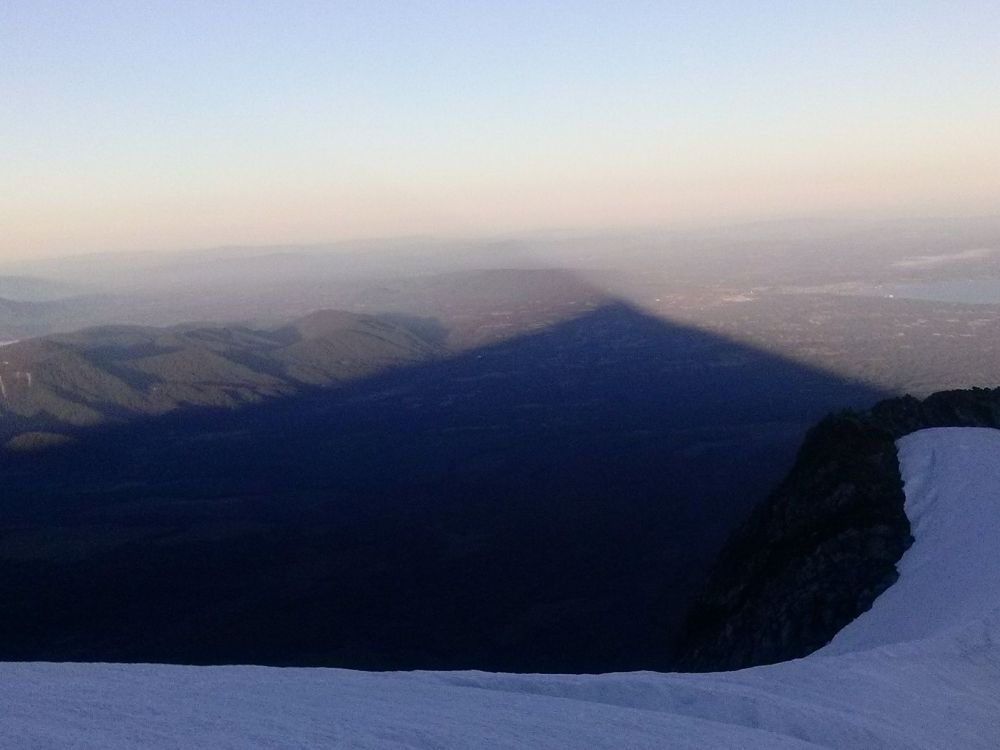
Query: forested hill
x=825, y=544
x=51, y=385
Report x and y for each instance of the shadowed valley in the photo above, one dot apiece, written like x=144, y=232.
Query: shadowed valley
x=551, y=501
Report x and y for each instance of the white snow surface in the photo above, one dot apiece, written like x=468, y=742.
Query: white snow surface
x=921, y=669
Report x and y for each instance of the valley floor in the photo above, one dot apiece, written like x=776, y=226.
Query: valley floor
x=921, y=669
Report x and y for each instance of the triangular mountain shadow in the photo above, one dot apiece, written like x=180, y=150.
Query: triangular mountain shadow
x=548, y=503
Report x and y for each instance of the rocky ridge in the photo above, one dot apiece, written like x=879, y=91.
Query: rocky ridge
x=825, y=543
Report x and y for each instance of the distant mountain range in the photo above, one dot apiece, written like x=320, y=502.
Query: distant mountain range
x=474, y=306
x=36, y=289
x=25, y=318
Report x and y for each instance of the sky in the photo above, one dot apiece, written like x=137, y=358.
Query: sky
x=167, y=125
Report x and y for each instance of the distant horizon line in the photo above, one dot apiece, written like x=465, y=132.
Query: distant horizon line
x=486, y=237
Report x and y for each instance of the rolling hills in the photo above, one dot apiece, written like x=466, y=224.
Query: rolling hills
x=52, y=385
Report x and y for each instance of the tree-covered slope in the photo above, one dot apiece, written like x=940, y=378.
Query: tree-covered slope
x=53, y=384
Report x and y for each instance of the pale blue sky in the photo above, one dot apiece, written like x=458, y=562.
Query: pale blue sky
x=134, y=125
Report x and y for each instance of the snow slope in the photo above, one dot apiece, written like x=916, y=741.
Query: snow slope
x=921, y=669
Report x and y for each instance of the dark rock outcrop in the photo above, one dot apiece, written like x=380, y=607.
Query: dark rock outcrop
x=824, y=545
